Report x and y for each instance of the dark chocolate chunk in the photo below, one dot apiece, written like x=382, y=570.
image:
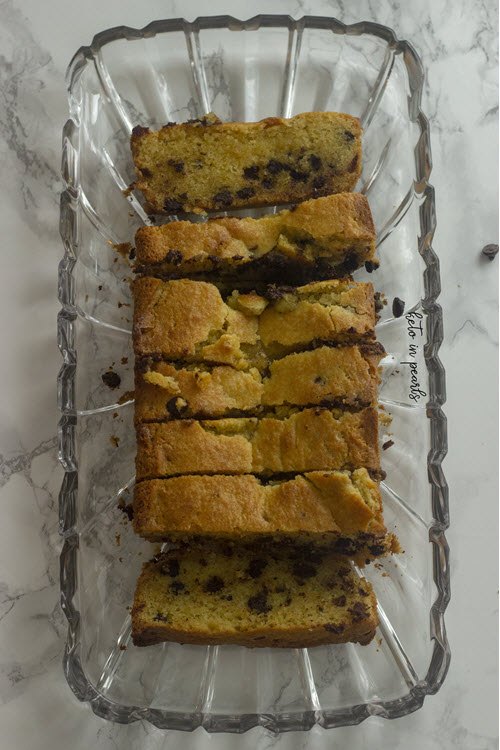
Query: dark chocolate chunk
x=256, y=567
x=318, y=183
x=274, y=292
x=304, y=569
x=176, y=587
x=245, y=193
x=298, y=176
x=359, y=611
x=251, y=173
x=267, y=183
x=111, y=379
x=139, y=130
x=131, y=255
x=339, y=601
x=146, y=172
x=348, y=135
x=387, y=444
x=398, y=307
x=490, y=251
x=213, y=584
x=171, y=205
x=176, y=407
x=338, y=629
x=159, y=617
x=377, y=549
x=274, y=166
x=258, y=602
x=223, y=198
x=315, y=162
x=370, y=266
x=177, y=165
x=170, y=568
x=319, y=380
x=174, y=257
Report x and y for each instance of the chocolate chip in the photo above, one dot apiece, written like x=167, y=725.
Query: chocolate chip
x=315, y=162
x=131, y=255
x=139, y=130
x=353, y=165
x=339, y=601
x=258, y=602
x=298, y=176
x=370, y=266
x=344, y=572
x=170, y=568
x=377, y=549
x=178, y=166
x=338, y=629
x=223, y=198
x=245, y=193
x=490, y=251
x=267, y=183
x=274, y=166
x=176, y=587
x=146, y=172
x=111, y=379
x=318, y=183
x=345, y=546
x=171, y=205
x=359, y=611
x=387, y=444
x=176, y=407
x=174, y=257
x=303, y=569
x=256, y=567
x=213, y=584
x=348, y=135
x=398, y=307
x=251, y=173
x=159, y=617
x=274, y=292
x=362, y=591
x=319, y=380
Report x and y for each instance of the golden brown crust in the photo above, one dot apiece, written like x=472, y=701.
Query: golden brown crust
x=316, y=238
x=203, y=392
x=205, y=596
x=208, y=165
x=189, y=321
x=313, y=439
x=317, y=506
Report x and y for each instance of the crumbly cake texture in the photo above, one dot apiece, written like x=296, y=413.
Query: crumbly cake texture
x=209, y=165
x=318, y=239
x=312, y=439
x=338, y=510
x=339, y=376
x=190, y=321
x=231, y=595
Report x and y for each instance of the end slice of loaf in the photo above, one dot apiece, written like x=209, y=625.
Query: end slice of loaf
x=209, y=165
x=318, y=239
x=228, y=595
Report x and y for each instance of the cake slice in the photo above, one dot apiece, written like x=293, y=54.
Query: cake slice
x=336, y=510
x=308, y=440
x=343, y=376
x=190, y=321
x=209, y=165
x=319, y=239
x=232, y=595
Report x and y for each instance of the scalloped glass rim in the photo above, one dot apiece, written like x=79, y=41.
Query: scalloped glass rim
x=439, y=663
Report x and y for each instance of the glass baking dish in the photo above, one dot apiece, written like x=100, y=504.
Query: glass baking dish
x=245, y=70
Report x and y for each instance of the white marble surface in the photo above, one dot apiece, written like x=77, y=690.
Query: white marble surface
x=458, y=43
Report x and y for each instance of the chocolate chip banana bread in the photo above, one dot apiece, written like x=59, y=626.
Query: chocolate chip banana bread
x=312, y=439
x=319, y=239
x=231, y=595
x=209, y=165
x=189, y=320
x=338, y=510
x=345, y=376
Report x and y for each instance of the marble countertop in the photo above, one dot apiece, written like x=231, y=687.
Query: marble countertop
x=458, y=44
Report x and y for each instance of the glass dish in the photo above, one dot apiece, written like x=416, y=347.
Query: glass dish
x=245, y=70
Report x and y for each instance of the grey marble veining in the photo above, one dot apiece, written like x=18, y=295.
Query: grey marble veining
x=458, y=44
